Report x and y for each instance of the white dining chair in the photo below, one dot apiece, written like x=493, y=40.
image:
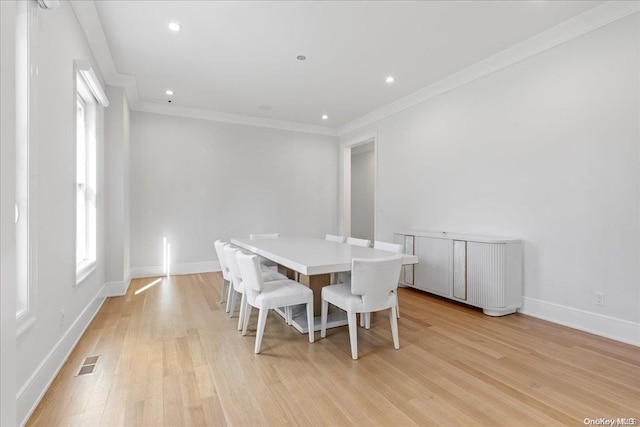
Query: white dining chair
x=358, y=242
x=389, y=247
x=226, y=280
x=373, y=281
x=337, y=239
x=334, y=238
x=269, y=295
x=344, y=277
x=237, y=285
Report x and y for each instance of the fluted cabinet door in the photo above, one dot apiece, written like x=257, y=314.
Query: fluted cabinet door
x=486, y=274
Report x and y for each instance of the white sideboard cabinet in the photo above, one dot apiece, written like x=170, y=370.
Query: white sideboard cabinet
x=482, y=271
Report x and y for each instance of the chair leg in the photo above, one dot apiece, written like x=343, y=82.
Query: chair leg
x=262, y=320
x=353, y=334
x=229, y=295
x=287, y=314
x=397, y=309
x=232, y=306
x=243, y=309
x=225, y=289
x=247, y=315
x=394, y=327
x=310, y=321
x=365, y=320
x=323, y=318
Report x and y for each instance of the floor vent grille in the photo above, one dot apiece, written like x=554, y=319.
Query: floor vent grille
x=89, y=365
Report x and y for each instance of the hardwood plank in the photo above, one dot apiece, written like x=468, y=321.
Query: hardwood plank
x=171, y=356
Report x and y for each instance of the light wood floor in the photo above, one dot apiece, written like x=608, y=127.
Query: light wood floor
x=170, y=356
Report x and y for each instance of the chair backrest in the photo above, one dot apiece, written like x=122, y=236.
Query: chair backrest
x=219, y=244
x=358, y=242
x=250, y=272
x=374, y=279
x=334, y=238
x=264, y=236
x=234, y=271
x=391, y=247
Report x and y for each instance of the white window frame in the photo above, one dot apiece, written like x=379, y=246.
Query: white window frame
x=26, y=165
x=89, y=97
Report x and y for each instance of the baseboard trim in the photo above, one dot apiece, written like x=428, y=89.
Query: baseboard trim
x=33, y=390
x=594, y=323
x=116, y=289
x=177, y=269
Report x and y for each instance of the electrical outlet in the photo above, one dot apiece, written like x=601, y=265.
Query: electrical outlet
x=599, y=298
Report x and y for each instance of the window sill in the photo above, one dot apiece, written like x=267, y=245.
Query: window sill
x=84, y=270
x=24, y=323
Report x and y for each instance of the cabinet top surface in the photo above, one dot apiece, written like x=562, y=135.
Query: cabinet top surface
x=459, y=236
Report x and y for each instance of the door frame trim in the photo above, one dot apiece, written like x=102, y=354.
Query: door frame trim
x=344, y=202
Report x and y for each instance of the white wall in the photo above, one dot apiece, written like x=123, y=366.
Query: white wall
x=194, y=181
x=362, y=194
x=7, y=227
x=546, y=150
x=41, y=350
x=117, y=191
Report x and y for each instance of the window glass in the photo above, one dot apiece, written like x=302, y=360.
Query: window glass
x=86, y=225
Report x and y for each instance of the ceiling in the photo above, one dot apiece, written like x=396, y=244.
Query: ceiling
x=240, y=57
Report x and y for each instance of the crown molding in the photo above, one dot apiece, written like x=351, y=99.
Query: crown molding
x=89, y=19
x=128, y=83
x=91, y=25
x=590, y=20
x=217, y=116
x=586, y=22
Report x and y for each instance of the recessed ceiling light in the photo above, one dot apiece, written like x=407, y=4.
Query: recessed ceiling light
x=325, y=117
x=390, y=79
x=169, y=92
x=174, y=26
x=301, y=57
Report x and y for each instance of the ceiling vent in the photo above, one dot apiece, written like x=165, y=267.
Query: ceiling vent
x=49, y=4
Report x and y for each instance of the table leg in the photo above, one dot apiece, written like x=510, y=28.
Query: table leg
x=316, y=283
x=291, y=274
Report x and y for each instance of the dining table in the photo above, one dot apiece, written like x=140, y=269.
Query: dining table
x=313, y=262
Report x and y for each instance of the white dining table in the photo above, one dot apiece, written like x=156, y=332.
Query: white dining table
x=314, y=260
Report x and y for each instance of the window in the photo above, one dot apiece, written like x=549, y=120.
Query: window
x=89, y=95
x=85, y=181
x=25, y=197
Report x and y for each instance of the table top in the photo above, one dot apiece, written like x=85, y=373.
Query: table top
x=310, y=256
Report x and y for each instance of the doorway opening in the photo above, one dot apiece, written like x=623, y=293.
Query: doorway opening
x=359, y=188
